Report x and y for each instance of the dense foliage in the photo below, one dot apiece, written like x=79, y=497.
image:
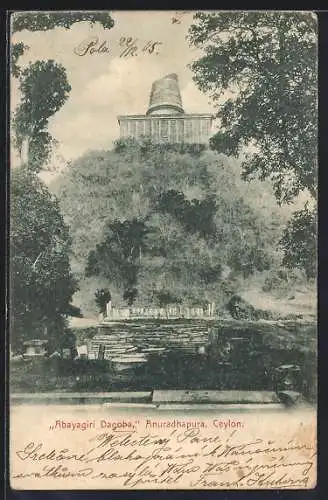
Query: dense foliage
x=44, y=89
x=42, y=285
x=266, y=65
x=299, y=242
x=43, y=21
x=102, y=297
x=268, y=61
x=166, y=224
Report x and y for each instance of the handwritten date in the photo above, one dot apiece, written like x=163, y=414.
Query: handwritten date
x=127, y=46
x=132, y=47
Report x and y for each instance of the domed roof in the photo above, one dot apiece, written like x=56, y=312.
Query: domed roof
x=165, y=97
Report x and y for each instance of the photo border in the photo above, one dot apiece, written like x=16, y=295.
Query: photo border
x=323, y=259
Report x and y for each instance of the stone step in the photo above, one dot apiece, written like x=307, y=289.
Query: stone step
x=235, y=396
x=121, y=397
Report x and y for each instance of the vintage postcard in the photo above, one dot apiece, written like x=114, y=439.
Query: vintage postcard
x=163, y=236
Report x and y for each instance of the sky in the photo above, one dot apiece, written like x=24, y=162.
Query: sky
x=105, y=85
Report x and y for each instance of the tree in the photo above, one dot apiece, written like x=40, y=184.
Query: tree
x=42, y=285
x=268, y=60
x=17, y=50
x=44, y=21
x=44, y=89
x=165, y=298
x=43, y=84
x=102, y=297
x=299, y=242
x=196, y=215
x=117, y=257
x=130, y=295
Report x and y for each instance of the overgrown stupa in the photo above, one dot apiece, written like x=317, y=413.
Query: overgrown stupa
x=165, y=120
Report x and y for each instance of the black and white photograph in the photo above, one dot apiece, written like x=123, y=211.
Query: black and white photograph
x=163, y=250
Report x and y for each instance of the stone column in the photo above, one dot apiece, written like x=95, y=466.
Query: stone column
x=108, y=308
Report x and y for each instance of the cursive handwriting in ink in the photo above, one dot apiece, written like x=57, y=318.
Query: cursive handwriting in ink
x=132, y=46
x=91, y=46
x=189, y=459
x=128, y=47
